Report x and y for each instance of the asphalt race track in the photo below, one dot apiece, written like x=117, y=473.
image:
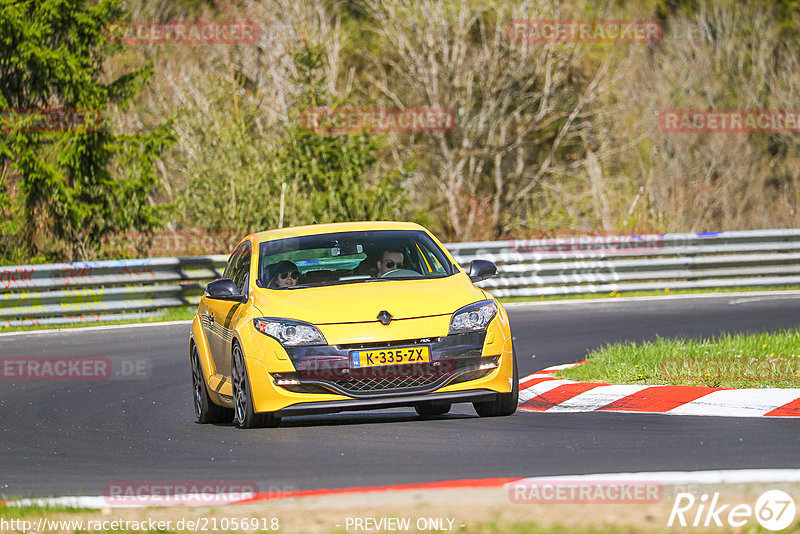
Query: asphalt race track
x=74, y=437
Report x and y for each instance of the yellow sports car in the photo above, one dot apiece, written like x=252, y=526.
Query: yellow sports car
x=348, y=316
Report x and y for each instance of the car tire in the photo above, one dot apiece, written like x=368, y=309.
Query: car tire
x=205, y=410
x=244, y=414
x=429, y=409
x=505, y=403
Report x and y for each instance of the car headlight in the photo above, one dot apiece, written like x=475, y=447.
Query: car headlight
x=290, y=333
x=475, y=316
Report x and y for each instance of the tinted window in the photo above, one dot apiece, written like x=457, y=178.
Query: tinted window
x=242, y=267
x=229, y=268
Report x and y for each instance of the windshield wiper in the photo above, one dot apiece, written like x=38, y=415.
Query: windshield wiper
x=323, y=283
x=390, y=278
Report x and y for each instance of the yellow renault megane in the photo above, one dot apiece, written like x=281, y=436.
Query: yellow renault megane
x=348, y=316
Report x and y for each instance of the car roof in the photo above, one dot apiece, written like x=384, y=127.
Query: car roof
x=316, y=229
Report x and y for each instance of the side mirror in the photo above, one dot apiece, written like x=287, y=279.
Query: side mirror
x=223, y=289
x=481, y=270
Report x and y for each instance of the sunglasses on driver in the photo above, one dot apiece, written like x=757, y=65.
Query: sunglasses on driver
x=390, y=264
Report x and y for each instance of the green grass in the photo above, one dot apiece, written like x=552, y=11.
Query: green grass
x=36, y=511
x=182, y=313
x=738, y=361
x=666, y=291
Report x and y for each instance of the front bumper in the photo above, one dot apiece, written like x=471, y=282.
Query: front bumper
x=312, y=408
x=327, y=369
x=296, y=378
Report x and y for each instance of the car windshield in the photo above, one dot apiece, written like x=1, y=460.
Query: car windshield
x=351, y=257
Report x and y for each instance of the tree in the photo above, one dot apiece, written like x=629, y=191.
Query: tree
x=242, y=170
x=331, y=169
x=725, y=56
x=521, y=109
x=78, y=181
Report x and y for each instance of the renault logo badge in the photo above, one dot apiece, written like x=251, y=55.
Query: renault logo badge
x=385, y=317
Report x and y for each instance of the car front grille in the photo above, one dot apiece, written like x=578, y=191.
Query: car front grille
x=392, y=380
x=393, y=384
x=388, y=344
x=454, y=358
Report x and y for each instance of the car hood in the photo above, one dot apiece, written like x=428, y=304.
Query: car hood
x=361, y=302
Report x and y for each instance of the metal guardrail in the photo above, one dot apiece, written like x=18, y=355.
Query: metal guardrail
x=93, y=291
x=109, y=290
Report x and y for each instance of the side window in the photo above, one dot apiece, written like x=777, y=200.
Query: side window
x=432, y=262
x=229, y=268
x=242, y=267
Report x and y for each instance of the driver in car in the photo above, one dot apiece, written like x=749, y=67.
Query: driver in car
x=389, y=261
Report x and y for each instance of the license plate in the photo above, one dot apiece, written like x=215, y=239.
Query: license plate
x=393, y=356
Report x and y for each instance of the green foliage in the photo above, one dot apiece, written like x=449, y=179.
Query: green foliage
x=12, y=225
x=240, y=171
x=331, y=169
x=76, y=182
x=233, y=186
x=666, y=9
x=788, y=17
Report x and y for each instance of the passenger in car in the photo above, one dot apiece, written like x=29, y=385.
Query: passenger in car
x=285, y=275
x=368, y=266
